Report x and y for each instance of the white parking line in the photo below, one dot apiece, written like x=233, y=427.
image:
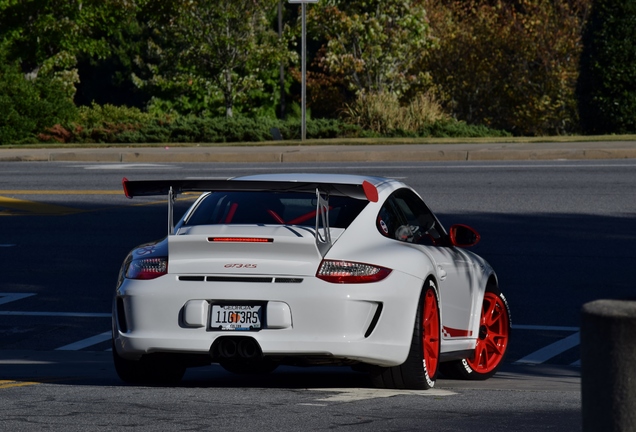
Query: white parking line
x=10, y=297
x=94, y=340
x=552, y=350
x=358, y=394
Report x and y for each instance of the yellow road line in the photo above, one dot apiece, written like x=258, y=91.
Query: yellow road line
x=32, y=207
x=10, y=384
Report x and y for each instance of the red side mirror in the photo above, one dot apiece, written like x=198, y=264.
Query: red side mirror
x=463, y=236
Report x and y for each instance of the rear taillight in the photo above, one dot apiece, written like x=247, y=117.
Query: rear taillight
x=147, y=268
x=350, y=272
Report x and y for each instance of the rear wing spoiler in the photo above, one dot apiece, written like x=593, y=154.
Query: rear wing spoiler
x=363, y=191
x=171, y=188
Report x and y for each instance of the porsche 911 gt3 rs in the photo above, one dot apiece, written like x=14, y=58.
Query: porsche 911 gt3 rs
x=307, y=269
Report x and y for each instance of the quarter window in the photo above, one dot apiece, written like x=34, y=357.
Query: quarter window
x=405, y=217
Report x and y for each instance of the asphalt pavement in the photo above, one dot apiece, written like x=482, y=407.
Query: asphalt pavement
x=97, y=367
x=322, y=151
x=88, y=369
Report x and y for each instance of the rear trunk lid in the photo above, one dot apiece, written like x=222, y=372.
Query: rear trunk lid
x=245, y=250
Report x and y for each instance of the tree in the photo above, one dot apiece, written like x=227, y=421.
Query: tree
x=607, y=85
x=374, y=45
x=29, y=106
x=46, y=36
x=510, y=65
x=219, y=48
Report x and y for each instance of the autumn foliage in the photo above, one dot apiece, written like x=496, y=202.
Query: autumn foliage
x=508, y=64
x=505, y=64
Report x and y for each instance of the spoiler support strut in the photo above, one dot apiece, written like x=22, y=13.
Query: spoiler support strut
x=323, y=241
x=172, y=197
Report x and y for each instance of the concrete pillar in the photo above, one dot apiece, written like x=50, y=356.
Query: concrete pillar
x=608, y=366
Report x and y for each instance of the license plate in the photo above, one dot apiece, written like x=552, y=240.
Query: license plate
x=235, y=317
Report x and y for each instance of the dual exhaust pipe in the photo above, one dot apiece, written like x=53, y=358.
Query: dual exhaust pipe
x=227, y=347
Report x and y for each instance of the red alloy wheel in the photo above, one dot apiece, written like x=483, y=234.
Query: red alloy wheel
x=493, y=335
x=430, y=333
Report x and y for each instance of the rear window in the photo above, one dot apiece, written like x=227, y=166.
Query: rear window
x=272, y=208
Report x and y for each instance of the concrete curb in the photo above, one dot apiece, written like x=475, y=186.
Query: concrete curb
x=329, y=153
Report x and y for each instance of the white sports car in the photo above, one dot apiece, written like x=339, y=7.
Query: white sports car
x=307, y=269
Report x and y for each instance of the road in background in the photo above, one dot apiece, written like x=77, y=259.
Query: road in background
x=558, y=233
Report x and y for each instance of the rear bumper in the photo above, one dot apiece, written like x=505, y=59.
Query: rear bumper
x=370, y=323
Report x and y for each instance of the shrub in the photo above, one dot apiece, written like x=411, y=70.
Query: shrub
x=101, y=116
x=30, y=106
x=328, y=128
x=102, y=124
x=383, y=114
x=460, y=129
x=110, y=124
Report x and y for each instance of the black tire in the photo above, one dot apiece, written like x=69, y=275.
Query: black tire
x=494, y=334
x=151, y=369
x=419, y=371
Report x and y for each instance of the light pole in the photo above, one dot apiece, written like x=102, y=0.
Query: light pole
x=303, y=84
x=281, y=78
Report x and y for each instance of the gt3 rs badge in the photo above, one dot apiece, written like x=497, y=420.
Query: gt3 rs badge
x=240, y=265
